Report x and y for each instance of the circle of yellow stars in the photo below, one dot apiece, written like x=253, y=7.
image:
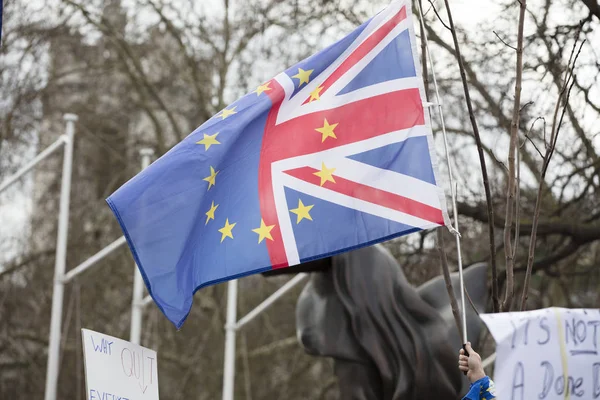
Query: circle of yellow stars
x=302, y=211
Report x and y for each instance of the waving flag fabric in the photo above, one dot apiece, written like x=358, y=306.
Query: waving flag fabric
x=333, y=154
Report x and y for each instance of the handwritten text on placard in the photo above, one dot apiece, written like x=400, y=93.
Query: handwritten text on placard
x=546, y=354
x=118, y=370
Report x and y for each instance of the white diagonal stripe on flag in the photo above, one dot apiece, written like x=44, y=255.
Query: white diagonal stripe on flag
x=351, y=148
x=383, y=179
x=354, y=203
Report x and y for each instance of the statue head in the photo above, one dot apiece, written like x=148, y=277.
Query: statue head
x=387, y=341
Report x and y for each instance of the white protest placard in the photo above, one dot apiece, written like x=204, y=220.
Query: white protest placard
x=546, y=354
x=116, y=369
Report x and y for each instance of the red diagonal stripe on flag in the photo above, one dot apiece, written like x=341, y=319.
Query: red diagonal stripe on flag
x=372, y=195
x=359, y=120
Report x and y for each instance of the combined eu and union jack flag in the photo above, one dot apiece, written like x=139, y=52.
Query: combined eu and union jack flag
x=333, y=154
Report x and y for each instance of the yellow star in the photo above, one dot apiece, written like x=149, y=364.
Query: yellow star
x=327, y=130
x=264, y=231
x=262, y=88
x=226, y=113
x=209, y=140
x=303, y=76
x=226, y=230
x=315, y=94
x=302, y=211
x=210, y=214
x=211, y=179
x=325, y=174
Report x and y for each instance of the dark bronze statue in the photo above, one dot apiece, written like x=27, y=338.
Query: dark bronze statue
x=389, y=340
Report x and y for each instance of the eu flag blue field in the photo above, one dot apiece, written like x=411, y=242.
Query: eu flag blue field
x=332, y=154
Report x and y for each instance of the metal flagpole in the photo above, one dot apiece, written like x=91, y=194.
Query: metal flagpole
x=268, y=302
x=60, y=262
x=230, y=331
x=454, y=229
x=93, y=260
x=138, y=284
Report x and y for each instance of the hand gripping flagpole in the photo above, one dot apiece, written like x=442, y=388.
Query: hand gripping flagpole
x=453, y=229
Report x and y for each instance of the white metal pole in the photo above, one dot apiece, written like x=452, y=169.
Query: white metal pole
x=49, y=150
x=137, y=306
x=90, y=262
x=230, y=330
x=147, y=300
x=60, y=262
x=271, y=299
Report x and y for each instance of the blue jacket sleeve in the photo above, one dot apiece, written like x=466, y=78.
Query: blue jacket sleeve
x=482, y=389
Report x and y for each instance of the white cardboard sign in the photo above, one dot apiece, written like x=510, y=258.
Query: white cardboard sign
x=116, y=369
x=546, y=354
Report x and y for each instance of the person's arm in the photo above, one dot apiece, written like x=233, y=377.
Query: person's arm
x=482, y=387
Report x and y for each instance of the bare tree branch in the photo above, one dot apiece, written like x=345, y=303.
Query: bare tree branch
x=512, y=149
x=440, y=235
x=486, y=184
x=566, y=92
x=502, y=40
x=593, y=6
x=448, y=280
x=438, y=15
